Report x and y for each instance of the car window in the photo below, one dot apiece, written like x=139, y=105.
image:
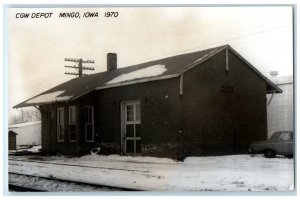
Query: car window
x=284, y=136
x=275, y=136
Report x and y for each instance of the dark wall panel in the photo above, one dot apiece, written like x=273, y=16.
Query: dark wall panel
x=160, y=112
x=223, y=110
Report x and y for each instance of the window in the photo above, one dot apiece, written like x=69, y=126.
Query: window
x=130, y=113
x=133, y=112
x=89, y=124
x=132, y=127
x=60, y=125
x=138, y=112
x=72, y=124
x=284, y=136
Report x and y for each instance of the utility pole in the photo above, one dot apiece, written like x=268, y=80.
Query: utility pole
x=79, y=67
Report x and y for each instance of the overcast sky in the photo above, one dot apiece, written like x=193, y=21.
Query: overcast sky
x=37, y=47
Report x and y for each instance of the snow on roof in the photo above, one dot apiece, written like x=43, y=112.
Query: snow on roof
x=50, y=97
x=151, y=71
x=23, y=124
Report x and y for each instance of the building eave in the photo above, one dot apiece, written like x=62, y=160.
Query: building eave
x=273, y=85
x=24, y=104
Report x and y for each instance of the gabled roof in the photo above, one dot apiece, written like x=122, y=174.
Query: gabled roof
x=12, y=132
x=165, y=68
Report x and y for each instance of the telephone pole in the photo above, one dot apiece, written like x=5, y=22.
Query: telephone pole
x=79, y=67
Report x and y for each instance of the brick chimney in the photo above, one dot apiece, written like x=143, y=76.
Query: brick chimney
x=111, y=62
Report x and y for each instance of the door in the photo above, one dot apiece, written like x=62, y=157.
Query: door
x=131, y=127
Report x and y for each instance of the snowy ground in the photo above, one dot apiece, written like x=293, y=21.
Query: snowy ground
x=25, y=149
x=218, y=173
x=43, y=184
x=29, y=148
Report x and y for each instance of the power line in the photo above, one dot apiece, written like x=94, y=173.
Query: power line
x=209, y=44
x=80, y=68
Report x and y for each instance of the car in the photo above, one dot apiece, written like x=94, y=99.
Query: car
x=280, y=143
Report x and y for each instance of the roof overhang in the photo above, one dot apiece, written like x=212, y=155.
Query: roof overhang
x=24, y=104
x=270, y=87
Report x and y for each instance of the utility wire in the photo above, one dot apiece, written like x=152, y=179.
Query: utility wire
x=214, y=43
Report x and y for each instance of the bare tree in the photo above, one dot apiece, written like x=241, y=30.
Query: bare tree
x=25, y=115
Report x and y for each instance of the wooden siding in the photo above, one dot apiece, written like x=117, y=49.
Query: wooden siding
x=223, y=121
x=160, y=114
x=49, y=127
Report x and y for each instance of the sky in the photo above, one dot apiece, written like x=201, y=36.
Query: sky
x=37, y=47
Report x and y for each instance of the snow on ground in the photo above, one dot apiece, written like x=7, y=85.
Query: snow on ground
x=218, y=173
x=53, y=185
x=33, y=149
x=49, y=97
x=151, y=71
x=25, y=149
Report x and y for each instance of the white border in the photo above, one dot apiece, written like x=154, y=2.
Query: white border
x=4, y=91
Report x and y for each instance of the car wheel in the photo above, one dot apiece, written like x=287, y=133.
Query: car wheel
x=269, y=153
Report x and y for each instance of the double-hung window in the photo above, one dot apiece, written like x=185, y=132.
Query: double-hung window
x=89, y=123
x=72, y=124
x=60, y=125
x=133, y=127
